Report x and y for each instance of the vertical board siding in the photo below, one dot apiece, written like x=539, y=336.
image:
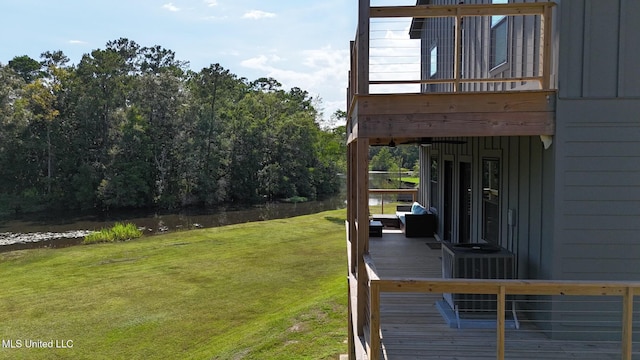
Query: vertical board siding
x=629, y=76
x=599, y=49
x=523, y=174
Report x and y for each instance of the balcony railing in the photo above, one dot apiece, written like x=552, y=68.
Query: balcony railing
x=384, y=59
x=374, y=193
x=503, y=289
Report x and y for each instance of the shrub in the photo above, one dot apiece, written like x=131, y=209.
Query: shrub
x=119, y=232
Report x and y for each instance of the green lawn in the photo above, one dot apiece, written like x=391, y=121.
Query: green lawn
x=263, y=290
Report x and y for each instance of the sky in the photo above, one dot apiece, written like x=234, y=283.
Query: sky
x=299, y=43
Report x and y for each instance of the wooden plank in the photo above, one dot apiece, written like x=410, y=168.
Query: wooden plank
x=433, y=11
x=363, y=47
x=362, y=184
x=523, y=101
x=627, y=324
x=457, y=65
x=545, y=52
x=372, y=273
x=501, y=309
x=352, y=121
x=374, y=319
x=352, y=205
x=512, y=287
x=358, y=341
x=457, y=124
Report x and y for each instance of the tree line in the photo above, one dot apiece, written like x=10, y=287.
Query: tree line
x=131, y=127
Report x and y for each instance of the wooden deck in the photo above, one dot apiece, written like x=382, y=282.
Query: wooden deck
x=412, y=327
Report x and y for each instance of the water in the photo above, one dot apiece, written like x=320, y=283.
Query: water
x=61, y=230
x=56, y=230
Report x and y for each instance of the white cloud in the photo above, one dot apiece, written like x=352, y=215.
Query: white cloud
x=211, y=3
x=258, y=14
x=316, y=71
x=261, y=62
x=170, y=7
x=77, y=42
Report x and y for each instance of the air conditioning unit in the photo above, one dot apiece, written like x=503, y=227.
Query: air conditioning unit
x=475, y=261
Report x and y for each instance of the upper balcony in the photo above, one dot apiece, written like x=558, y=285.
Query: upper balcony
x=457, y=70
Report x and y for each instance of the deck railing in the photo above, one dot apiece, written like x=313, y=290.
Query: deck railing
x=382, y=192
x=383, y=55
x=502, y=289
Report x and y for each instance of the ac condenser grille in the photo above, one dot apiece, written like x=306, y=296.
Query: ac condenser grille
x=475, y=261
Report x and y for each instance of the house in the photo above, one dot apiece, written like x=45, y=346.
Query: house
x=528, y=116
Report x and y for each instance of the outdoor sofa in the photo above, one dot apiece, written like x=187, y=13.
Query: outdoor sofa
x=416, y=220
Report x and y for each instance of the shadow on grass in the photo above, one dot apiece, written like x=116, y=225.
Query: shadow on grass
x=335, y=220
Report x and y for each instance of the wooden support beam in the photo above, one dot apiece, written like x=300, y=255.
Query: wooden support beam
x=352, y=123
x=364, y=7
x=512, y=287
x=390, y=116
x=457, y=65
x=545, y=51
x=502, y=308
x=627, y=324
x=383, y=104
x=434, y=11
x=362, y=227
x=352, y=203
x=461, y=124
x=374, y=320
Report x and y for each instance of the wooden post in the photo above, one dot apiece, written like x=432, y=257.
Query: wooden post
x=353, y=205
x=374, y=320
x=457, y=66
x=627, y=324
x=364, y=10
x=362, y=228
x=545, y=48
x=502, y=308
x=351, y=347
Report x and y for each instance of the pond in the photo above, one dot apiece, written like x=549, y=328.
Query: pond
x=61, y=230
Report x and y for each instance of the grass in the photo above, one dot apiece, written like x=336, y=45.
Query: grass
x=411, y=179
x=263, y=290
x=389, y=207
x=118, y=232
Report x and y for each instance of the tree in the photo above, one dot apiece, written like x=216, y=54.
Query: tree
x=26, y=67
x=384, y=160
x=130, y=126
x=212, y=90
x=128, y=182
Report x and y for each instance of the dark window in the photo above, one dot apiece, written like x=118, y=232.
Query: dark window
x=491, y=200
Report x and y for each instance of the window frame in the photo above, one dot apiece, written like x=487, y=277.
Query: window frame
x=434, y=181
x=498, y=23
x=488, y=198
x=433, y=68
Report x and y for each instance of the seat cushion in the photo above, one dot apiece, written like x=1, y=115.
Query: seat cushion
x=418, y=209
